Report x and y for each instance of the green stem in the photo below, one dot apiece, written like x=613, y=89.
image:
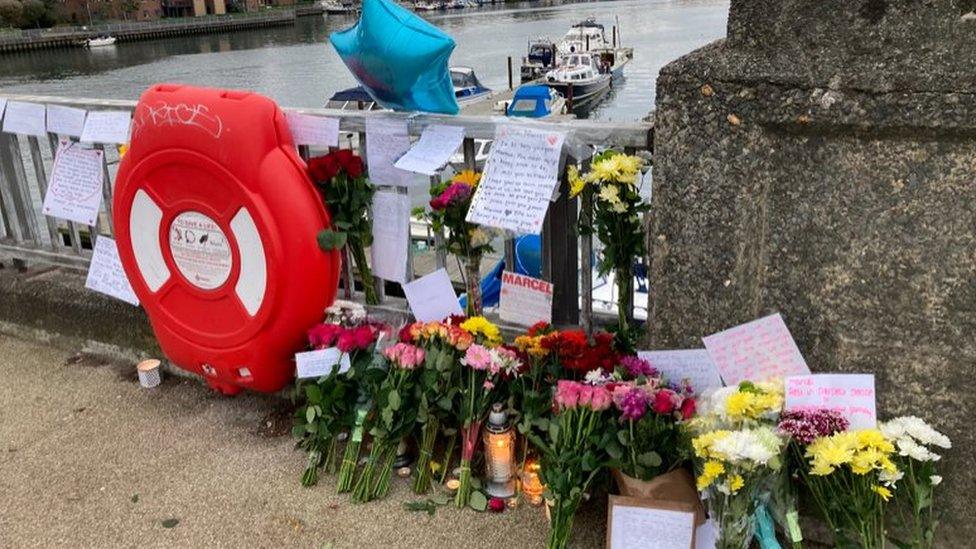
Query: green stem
x=365, y=275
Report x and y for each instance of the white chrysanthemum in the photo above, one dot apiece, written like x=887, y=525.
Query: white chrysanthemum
x=936, y=480
x=916, y=428
x=715, y=403
x=908, y=447
x=755, y=445
x=890, y=478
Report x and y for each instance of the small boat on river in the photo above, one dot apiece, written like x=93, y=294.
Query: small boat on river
x=100, y=42
x=582, y=79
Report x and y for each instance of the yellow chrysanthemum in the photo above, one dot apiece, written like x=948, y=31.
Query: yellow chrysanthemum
x=531, y=346
x=873, y=438
x=607, y=170
x=481, y=326
x=629, y=165
x=828, y=453
x=736, y=482
x=702, y=444
x=710, y=471
x=882, y=491
x=610, y=194
x=576, y=183
x=468, y=177
x=747, y=404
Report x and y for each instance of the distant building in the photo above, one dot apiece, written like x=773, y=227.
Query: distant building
x=83, y=12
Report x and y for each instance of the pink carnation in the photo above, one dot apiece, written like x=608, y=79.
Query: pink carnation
x=631, y=401
x=636, y=367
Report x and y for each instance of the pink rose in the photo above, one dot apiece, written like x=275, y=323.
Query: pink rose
x=567, y=394
x=585, y=395
x=601, y=399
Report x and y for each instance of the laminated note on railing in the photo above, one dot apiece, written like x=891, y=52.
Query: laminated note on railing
x=756, y=351
x=386, y=141
x=106, y=275
x=75, y=189
x=25, y=119
x=433, y=150
x=391, y=235
x=106, y=127
x=519, y=180
x=63, y=120
x=313, y=130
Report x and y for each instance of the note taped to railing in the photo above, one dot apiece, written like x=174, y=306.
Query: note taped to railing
x=106, y=275
x=75, y=189
x=519, y=180
x=433, y=150
x=67, y=121
x=25, y=119
x=432, y=297
x=386, y=140
x=391, y=235
x=756, y=351
x=313, y=130
x=106, y=127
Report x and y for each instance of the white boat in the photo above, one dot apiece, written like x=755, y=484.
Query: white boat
x=427, y=6
x=339, y=7
x=100, y=42
x=467, y=88
x=581, y=78
x=587, y=35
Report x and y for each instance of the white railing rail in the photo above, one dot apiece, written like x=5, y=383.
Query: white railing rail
x=26, y=235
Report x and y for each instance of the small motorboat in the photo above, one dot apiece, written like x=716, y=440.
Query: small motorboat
x=536, y=102
x=427, y=6
x=540, y=59
x=467, y=88
x=582, y=78
x=100, y=42
x=587, y=35
x=339, y=7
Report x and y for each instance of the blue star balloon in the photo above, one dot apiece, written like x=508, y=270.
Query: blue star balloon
x=400, y=59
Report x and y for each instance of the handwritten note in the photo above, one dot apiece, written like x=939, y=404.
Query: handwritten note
x=63, y=120
x=519, y=180
x=75, y=189
x=525, y=300
x=432, y=151
x=432, y=297
x=25, y=118
x=106, y=127
x=758, y=350
x=693, y=365
x=106, y=275
x=3, y=105
x=706, y=535
x=637, y=524
x=313, y=130
x=386, y=141
x=321, y=362
x=852, y=395
x=391, y=235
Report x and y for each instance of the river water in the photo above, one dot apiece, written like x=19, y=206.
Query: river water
x=296, y=65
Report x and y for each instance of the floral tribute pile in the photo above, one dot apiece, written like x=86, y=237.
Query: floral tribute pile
x=586, y=406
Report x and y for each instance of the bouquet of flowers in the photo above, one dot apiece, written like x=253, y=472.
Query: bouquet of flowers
x=851, y=476
x=531, y=392
x=573, y=452
x=349, y=196
x=395, y=414
x=915, y=441
x=484, y=365
x=576, y=355
x=449, y=205
x=649, y=426
x=327, y=403
x=444, y=345
x=612, y=187
x=738, y=455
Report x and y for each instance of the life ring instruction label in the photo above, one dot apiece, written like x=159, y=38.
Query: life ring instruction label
x=200, y=250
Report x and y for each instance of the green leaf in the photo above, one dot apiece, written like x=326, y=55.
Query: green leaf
x=331, y=240
x=310, y=414
x=313, y=393
x=649, y=459
x=393, y=399
x=478, y=501
x=624, y=437
x=170, y=522
x=442, y=499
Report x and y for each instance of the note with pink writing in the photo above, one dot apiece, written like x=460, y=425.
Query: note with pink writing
x=850, y=394
x=756, y=351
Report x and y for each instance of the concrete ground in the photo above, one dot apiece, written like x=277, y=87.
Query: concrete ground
x=90, y=459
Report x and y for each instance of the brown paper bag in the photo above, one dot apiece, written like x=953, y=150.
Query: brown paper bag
x=677, y=485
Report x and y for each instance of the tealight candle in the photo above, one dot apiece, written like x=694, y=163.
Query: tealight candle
x=403, y=472
x=453, y=484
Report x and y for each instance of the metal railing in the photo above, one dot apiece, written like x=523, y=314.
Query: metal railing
x=26, y=235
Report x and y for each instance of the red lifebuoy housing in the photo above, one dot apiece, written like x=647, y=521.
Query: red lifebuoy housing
x=216, y=222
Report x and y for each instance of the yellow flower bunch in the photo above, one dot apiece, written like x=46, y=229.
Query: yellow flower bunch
x=481, y=326
x=468, y=177
x=703, y=443
x=861, y=451
x=753, y=401
x=531, y=345
x=615, y=169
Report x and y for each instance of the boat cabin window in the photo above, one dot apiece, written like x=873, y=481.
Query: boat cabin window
x=523, y=105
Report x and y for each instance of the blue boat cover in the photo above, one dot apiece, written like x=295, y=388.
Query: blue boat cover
x=537, y=94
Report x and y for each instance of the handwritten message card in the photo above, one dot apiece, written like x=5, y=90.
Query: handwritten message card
x=75, y=189
x=852, y=395
x=525, y=300
x=106, y=275
x=756, y=351
x=432, y=151
x=386, y=141
x=519, y=180
x=106, y=127
x=706, y=535
x=63, y=120
x=693, y=365
x=320, y=362
x=313, y=130
x=432, y=297
x=3, y=105
x=25, y=118
x=391, y=235
x=641, y=523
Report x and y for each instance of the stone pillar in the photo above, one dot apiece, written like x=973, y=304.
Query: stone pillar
x=199, y=8
x=220, y=7
x=821, y=161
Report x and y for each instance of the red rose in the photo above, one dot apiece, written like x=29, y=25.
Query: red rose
x=688, y=408
x=354, y=167
x=663, y=402
x=322, y=168
x=496, y=505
